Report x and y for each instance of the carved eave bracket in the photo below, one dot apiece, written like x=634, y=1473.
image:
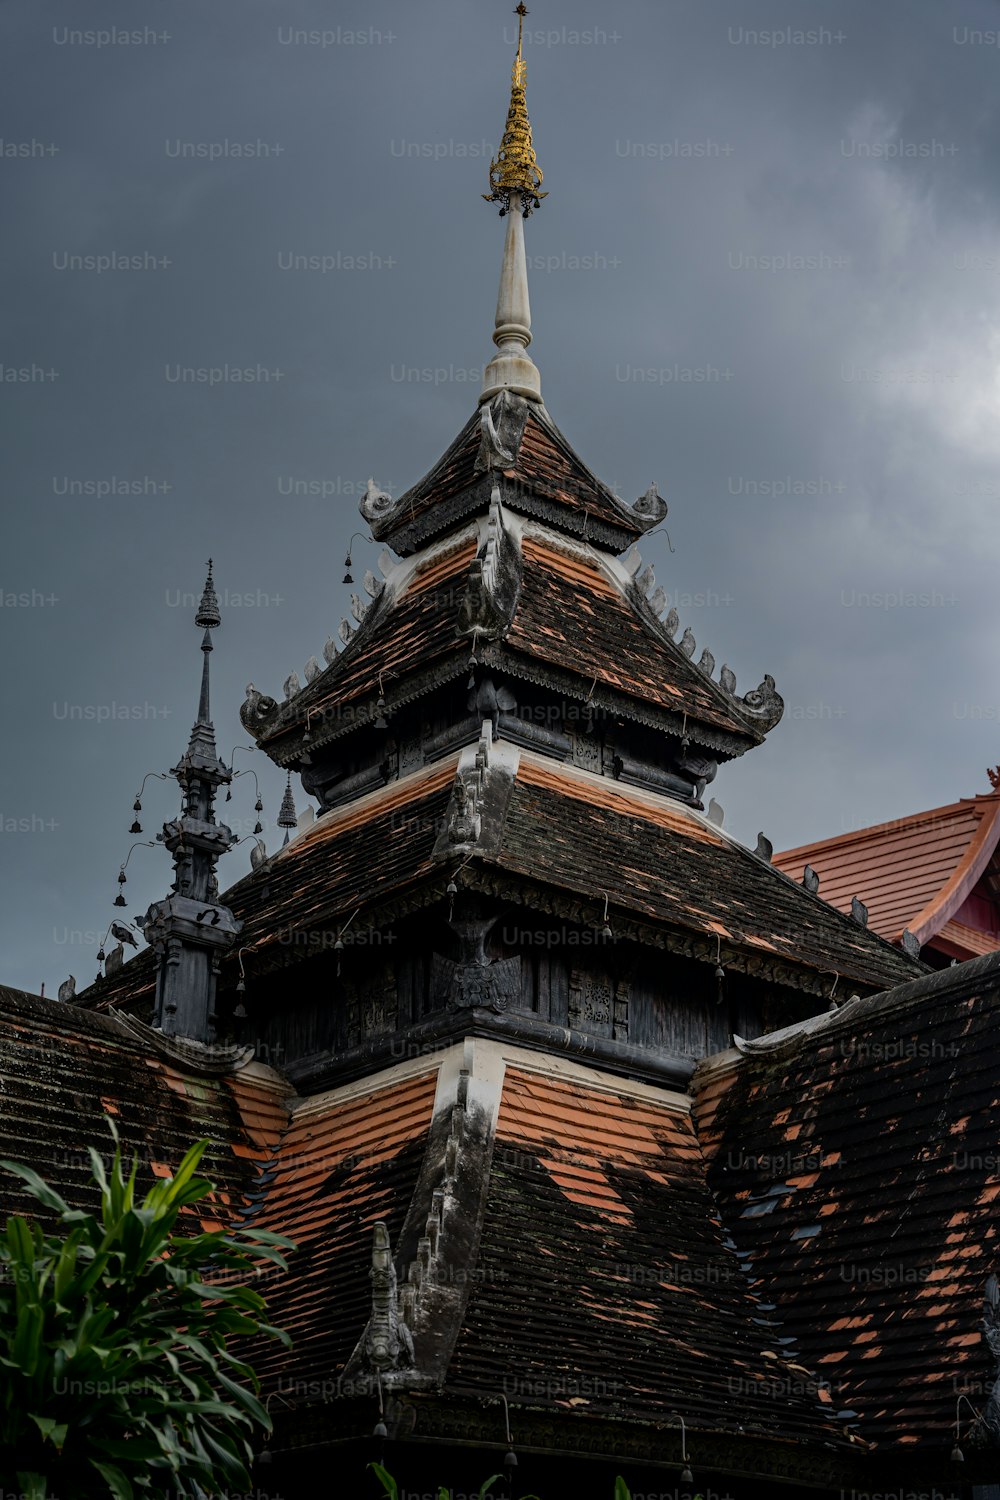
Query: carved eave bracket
x=375, y=505
x=763, y=705
x=494, y=580
x=501, y=423
x=483, y=783
x=650, y=509
x=217, y=1060
x=256, y=711
x=387, y=1340
x=265, y=718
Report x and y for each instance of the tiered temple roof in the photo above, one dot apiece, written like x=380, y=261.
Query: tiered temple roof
x=452, y=1053
x=531, y=604
x=798, y=1266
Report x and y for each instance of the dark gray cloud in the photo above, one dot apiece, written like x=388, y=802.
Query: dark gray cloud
x=808, y=221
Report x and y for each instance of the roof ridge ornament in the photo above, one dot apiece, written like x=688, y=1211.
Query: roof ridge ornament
x=763, y=705
x=387, y=1340
x=515, y=179
x=910, y=943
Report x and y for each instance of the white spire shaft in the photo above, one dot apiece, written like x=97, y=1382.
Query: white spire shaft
x=512, y=368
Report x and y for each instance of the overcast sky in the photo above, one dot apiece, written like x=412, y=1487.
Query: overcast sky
x=767, y=276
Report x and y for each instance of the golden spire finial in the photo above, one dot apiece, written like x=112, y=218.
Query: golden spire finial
x=514, y=169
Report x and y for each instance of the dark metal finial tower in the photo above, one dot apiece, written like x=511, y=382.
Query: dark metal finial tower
x=286, y=813
x=190, y=930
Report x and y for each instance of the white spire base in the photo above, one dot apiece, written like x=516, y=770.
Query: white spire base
x=512, y=368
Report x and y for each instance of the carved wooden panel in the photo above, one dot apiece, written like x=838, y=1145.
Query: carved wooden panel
x=411, y=753
x=372, y=1006
x=496, y=986
x=598, y=1005
x=621, y=1010
x=587, y=752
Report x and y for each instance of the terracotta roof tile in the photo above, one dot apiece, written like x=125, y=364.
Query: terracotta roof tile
x=658, y=860
x=969, y=940
x=410, y=635
x=661, y=861
x=894, y=1154
x=546, y=470
x=62, y=1069
x=341, y=1165
x=572, y=616
x=602, y=1281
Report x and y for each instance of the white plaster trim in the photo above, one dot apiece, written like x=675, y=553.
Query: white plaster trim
x=403, y=569
x=303, y=1106
x=486, y=1060
x=501, y=754
x=491, y=1057
x=642, y=796
x=326, y=820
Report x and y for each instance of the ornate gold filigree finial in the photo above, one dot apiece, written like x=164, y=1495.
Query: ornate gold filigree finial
x=514, y=169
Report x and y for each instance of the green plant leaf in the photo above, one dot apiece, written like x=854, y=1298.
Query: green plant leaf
x=65, y=1270
x=246, y=1399
x=54, y=1431
x=97, y=1169
x=135, y=1449
x=26, y=1346
x=32, y=1486
x=622, y=1491
x=389, y=1486
x=114, y=1479
x=115, y=1333
x=37, y=1186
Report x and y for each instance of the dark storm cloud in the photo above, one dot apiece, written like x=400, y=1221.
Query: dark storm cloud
x=798, y=201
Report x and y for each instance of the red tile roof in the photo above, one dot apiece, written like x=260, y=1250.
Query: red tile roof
x=572, y=616
x=914, y=872
x=410, y=637
x=854, y=1164
x=657, y=859
x=965, y=942
x=351, y=858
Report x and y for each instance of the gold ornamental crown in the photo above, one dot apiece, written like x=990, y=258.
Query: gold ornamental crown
x=514, y=168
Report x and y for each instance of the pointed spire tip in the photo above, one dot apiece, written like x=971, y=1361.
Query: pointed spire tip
x=515, y=169
x=208, y=616
x=515, y=180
